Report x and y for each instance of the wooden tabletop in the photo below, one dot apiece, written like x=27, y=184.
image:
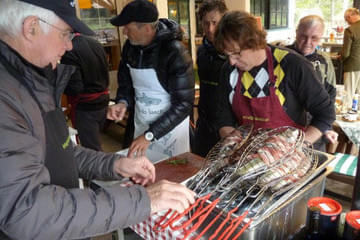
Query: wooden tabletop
x=179, y=168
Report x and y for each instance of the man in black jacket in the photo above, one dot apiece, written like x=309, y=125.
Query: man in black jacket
x=156, y=78
x=87, y=89
x=209, y=62
x=308, y=36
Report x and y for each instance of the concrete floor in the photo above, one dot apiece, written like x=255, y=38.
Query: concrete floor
x=112, y=142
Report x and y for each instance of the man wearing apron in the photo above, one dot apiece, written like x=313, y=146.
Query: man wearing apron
x=155, y=75
x=266, y=86
x=87, y=90
x=40, y=167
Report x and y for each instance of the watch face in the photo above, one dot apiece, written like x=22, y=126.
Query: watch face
x=149, y=136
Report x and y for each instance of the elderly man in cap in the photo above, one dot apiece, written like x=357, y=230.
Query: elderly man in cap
x=156, y=78
x=40, y=167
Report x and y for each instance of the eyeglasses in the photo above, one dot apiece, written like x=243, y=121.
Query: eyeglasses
x=233, y=54
x=64, y=34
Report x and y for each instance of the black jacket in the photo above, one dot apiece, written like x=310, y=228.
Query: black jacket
x=92, y=73
x=324, y=70
x=173, y=67
x=209, y=62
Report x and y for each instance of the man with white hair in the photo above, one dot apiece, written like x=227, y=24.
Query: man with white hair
x=308, y=37
x=40, y=167
x=350, y=53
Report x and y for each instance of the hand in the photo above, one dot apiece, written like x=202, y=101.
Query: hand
x=139, y=169
x=116, y=112
x=138, y=146
x=225, y=131
x=164, y=195
x=331, y=136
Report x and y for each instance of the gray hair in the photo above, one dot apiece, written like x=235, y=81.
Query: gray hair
x=310, y=21
x=14, y=12
x=152, y=24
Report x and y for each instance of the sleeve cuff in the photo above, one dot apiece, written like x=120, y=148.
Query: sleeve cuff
x=123, y=101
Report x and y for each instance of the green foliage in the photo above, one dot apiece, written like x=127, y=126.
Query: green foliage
x=331, y=10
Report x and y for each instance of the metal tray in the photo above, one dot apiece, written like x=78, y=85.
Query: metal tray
x=288, y=212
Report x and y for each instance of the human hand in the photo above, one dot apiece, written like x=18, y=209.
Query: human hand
x=226, y=131
x=331, y=136
x=164, y=195
x=138, y=147
x=139, y=169
x=116, y=112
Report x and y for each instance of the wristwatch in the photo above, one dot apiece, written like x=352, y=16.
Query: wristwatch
x=149, y=136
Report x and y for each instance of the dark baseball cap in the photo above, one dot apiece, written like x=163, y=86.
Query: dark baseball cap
x=142, y=11
x=64, y=9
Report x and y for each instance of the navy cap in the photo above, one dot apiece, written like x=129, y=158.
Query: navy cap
x=142, y=11
x=64, y=9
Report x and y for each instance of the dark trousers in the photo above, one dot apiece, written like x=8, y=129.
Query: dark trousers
x=205, y=138
x=89, y=124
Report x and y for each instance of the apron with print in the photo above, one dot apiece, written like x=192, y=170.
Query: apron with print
x=151, y=102
x=263, y=112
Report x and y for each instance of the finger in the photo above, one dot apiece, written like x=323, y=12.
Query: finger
x=149, y=166
x=132, y=151
x=189, y=195
x=180, y=189
x=178, y=201
x=109, y=115
x=140, y=180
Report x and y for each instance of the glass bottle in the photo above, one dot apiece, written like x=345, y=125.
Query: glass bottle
x=313, y=223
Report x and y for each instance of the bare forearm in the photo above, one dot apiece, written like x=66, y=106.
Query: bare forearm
x=312, y=134
x=224, y=131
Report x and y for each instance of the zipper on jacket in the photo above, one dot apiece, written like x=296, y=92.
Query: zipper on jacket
x=140, y=58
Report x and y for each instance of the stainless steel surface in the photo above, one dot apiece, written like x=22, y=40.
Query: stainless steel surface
x=287, y=214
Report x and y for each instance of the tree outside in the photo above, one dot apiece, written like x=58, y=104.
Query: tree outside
x=332, y=11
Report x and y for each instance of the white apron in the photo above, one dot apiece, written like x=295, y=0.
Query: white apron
x=152, y=101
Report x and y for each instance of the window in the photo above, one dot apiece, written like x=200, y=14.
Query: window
x=178, y=10
x=273, y=13
x=97, y=17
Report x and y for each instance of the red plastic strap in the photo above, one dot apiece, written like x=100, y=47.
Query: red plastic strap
x=201, y=219
x=243, y=229
x=208, y=226
x=159, y=227
x=201, y=210
x=233, y=225
x=223, y=223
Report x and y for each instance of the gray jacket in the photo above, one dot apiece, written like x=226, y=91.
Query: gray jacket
x=32, y=208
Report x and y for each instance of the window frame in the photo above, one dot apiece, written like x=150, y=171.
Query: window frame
x=265, y=9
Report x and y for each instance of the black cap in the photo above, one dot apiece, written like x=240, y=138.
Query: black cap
x=64, y=9
x=141, y=11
